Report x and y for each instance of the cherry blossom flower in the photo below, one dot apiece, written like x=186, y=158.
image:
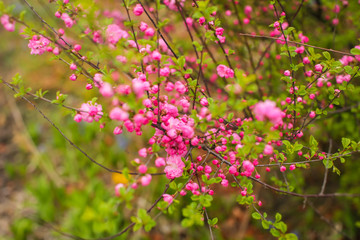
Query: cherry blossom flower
x=174, y=167
x=268, y=110
x=91, y=112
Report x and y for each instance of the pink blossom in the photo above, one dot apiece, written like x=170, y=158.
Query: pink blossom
x=106, y=90
x=78, y=118
x=306, y=60
x=165, y=71
x=292, y=167
x=140, y=86
x=247, y=10
x=180, y=87
x=38, y=44
x=121, y=59
x=149, y=32
x=171, y=4
x=114, y=33
x=189, y=21
x=7, y=23
x=67, y=20
x=73, y=66
x=282, y=169
x=224, y=71
x=300, y=49
x=268, y=150
x=174, y=167
x=61, y=31
x=232, y=170
x=159, y=162
x=169, y=86
x=143, y=26
x=248, y=167
x=97, y=37
x=312, y=114
x=123, y=89
x=156, y=55
x=98, y=79
x=73, y=77
x=145, y=180
x=142, y=168
x=219, y=31
x=204, y=102
x=346, y=60
x=168, y=198
x=138, y=10
x=201, y=20
x=91, y=112
x=143, y=152
x=117, y=130
x=225, y=182
x=118, y=114
x=77, y=47
x=318, y=67
x=268, y=110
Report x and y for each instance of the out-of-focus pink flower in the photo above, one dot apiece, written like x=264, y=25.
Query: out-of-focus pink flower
x=268, y=110
x=7, y=23
x=168, y=198
x=114, y=33
x=224, y=71
x=138, y=10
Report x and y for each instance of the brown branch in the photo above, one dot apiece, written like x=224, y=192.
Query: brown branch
x=327, y=195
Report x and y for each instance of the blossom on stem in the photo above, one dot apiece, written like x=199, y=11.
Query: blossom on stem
x=174, y=167
x=7, y=23
x=91, y=112
x=38, y=44
x=224, y=71
x=268, y=110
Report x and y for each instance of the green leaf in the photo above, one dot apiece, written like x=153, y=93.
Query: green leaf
x=357, y=224
x=230, y=116
x=327, y=55
x=355, y=51
x=327, y=163
x=278, y=217
x=265, y=224
x=345, y=142
x=298, y=147
x=281, y=226
x=256, y=215
x=291, y=236
x=275, y=232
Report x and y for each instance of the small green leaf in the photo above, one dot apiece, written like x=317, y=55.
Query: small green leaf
x=256, y=215
x=327, y=163
x=327, y=55
x=345, y=142
x=265, y=224
x=275, y=232
x=291, y=236
x=355, y=51
x=278, y=217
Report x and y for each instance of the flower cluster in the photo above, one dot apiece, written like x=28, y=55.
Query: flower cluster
x=7, y=23
x=267, y=110
x=38, y=44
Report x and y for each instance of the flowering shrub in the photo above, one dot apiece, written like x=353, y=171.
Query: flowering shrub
x=226, y=96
